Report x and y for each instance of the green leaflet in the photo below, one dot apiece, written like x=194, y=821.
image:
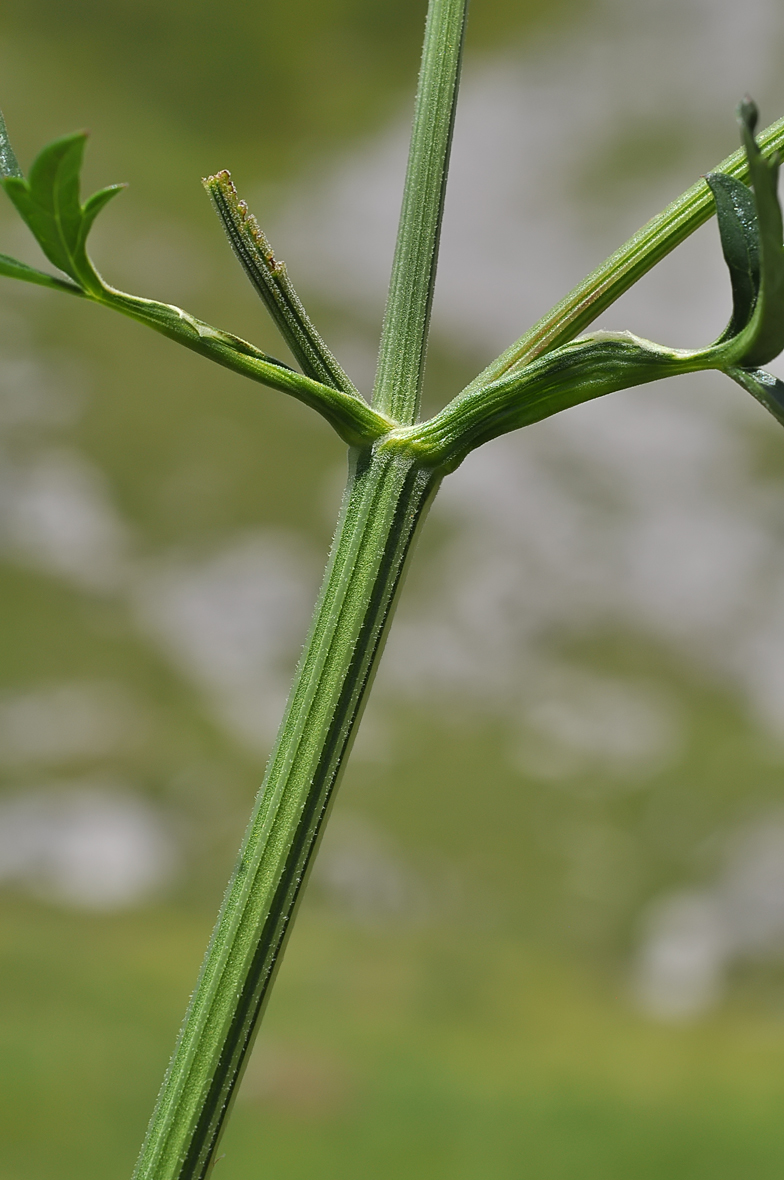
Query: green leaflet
x=751, y=240
x=49, y=203
x=767, y=389
x=768, y=332
x=737, y=218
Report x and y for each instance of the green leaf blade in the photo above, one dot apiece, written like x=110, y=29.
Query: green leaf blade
x=54, y=183
x=39, y=221
x=767, y=330
x=737, y=219
x=767, y=389
x=54, y=210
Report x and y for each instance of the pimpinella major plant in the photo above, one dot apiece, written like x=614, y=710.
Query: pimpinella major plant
x=396, y=464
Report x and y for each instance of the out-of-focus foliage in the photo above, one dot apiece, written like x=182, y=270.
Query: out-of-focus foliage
x=276, y=78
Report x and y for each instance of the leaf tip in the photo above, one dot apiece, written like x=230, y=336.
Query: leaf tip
x=9, y=165
x=748, y=113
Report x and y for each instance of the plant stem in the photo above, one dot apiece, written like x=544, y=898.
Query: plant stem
x=271, y=281
x=401, y=359
x=386, y=498
x=388, y=491
x=395, y=470
x=353, y=419
x=625, y=266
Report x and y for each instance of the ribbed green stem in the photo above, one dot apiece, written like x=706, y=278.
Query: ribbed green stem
x=386, y=498
x=401, y=358
x=270, y=278
x=350, y=416
x=566, y=377
x=626, y=266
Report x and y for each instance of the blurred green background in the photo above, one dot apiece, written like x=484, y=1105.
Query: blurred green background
x=544, y=935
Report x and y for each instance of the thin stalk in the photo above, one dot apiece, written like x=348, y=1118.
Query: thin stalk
x=270, y=279
x=355, y=421
x=386, y=498
x=625, y=266
x=401, y=357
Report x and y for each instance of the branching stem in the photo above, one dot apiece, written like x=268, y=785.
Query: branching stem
x=626, y=266
x=395, y=468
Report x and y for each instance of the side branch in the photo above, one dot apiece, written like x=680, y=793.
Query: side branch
x=49, y=202
x=271, y=281
x=626, y=265
x=353, y=419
